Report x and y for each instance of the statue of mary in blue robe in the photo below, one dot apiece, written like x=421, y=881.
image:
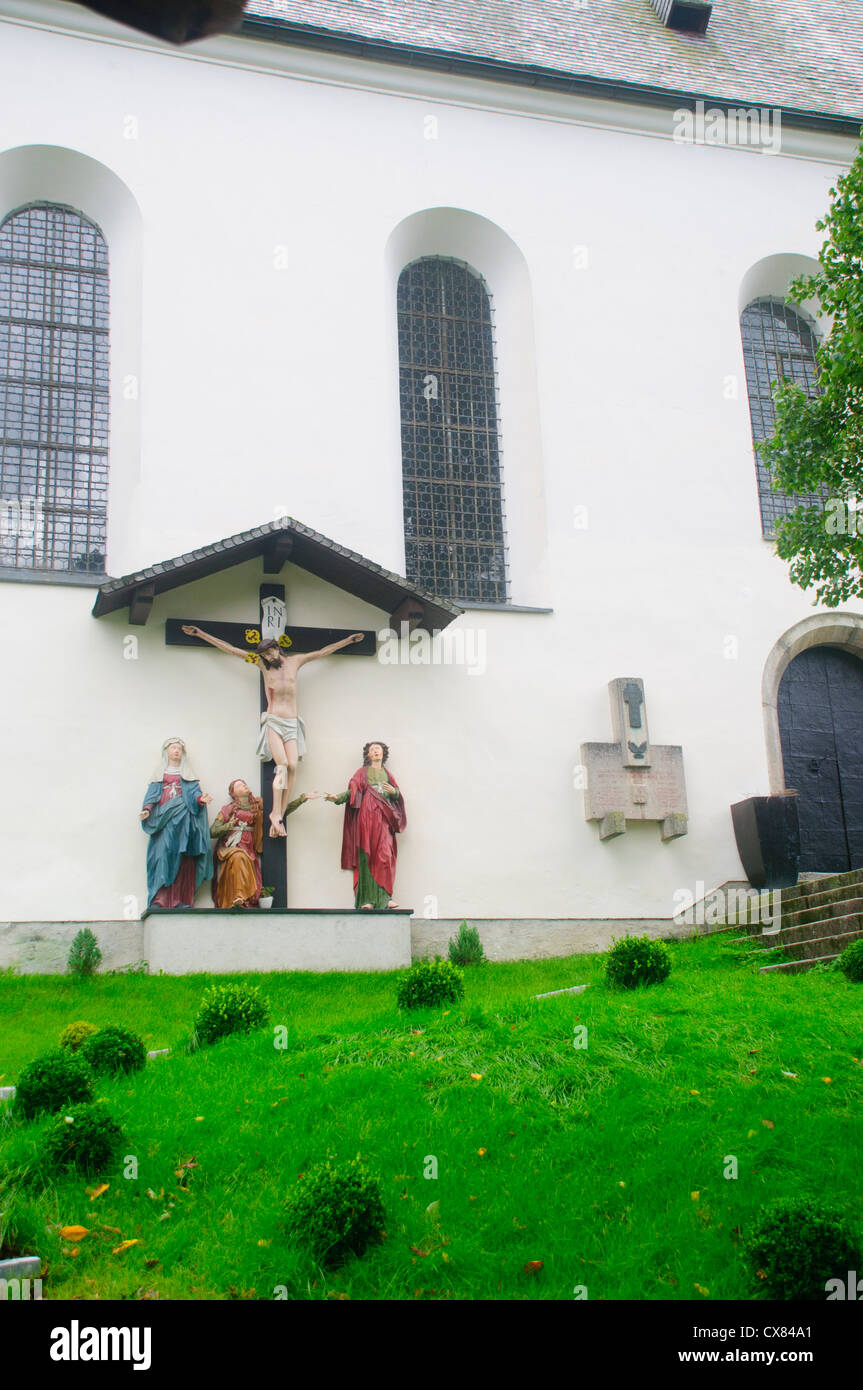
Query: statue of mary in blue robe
x=173, y=816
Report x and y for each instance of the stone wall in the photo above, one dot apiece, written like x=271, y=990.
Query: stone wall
x=43, y=947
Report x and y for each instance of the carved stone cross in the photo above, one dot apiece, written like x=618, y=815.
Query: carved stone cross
x=633, y=696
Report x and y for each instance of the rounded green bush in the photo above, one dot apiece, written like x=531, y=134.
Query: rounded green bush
x=227, y=1009
x=74, y=1034
x=637, y=960
x=796, y=1245
x=114, y=1049
x=851, y=962
x=336, y=1212
x=430, y=982
x=51, y=1081
x=84, y=1137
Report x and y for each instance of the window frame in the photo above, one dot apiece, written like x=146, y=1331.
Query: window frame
x=773, y=504
x=87, y=464
x=466, y=580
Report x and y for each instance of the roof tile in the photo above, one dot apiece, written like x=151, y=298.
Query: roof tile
x=802, y=54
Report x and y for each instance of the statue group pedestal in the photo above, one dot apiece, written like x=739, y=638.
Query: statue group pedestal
x=187, y=941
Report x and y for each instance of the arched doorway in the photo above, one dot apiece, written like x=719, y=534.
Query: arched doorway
x=820, y=708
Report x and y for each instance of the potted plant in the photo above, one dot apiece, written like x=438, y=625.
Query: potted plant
x=767, y=830
x=266, y=898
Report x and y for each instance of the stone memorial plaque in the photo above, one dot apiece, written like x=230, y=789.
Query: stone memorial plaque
x=631, y=779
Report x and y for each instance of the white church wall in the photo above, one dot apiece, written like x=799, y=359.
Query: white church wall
x=267, y=309
x=488, y=761
x=273, y=210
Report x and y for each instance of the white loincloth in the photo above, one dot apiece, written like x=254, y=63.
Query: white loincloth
x=286, y=729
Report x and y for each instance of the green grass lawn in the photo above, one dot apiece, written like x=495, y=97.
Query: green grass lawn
x=605, y=1163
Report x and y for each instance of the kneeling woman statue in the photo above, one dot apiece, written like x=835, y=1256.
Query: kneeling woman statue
x=374, y=815
x=238, y=832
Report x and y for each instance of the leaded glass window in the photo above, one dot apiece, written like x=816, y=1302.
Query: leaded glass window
x=778, y=344
x=453, y=504
x=53, y=390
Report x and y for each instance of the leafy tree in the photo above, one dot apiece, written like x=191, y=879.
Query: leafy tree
x=818, y=441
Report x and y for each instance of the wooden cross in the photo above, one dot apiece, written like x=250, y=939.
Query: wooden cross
x=272, y=623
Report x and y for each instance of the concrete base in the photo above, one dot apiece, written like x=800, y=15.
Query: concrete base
x=300, y=939
x=185, y=941
x=539, y=938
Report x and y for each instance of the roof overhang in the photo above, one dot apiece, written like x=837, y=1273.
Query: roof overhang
x=276, y=543
x=523, y=74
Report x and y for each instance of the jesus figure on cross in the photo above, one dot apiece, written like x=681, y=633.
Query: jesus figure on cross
x=282, y=733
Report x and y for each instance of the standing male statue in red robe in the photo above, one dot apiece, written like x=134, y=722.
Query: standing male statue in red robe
x=374, y=815
x=282, y=731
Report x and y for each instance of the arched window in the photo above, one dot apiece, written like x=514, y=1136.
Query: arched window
x=778, y=344
x=453, y=504
x=53, y=390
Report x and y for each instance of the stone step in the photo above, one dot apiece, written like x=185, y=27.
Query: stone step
x=809, y=888
x=768, y=913
x=812, y=947
x=812, y=931
x=820, y=899
x=837, y=907
x=793, y=967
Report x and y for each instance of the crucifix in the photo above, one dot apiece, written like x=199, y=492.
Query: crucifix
x=245, y=637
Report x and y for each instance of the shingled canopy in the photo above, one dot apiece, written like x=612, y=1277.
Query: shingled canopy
x=277, y=542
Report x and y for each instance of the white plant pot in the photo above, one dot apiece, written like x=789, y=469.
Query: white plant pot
x=265, y=902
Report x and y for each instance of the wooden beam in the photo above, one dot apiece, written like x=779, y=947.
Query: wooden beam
x=141, y=603
x=276, y=551
x=303, y=639
x=411, y=611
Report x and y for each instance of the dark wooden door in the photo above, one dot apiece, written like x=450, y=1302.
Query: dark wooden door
x=821, y=726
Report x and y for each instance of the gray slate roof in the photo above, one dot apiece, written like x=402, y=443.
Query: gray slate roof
x=799, y=54
x=310, y=551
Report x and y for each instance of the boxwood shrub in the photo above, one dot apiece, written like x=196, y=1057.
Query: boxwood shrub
x=851, y=962
x=84, y=1137
x=637, y=960
x=227, y=1009
x=114, y=1049
x=797, y=1245
x=54, y=1080
x=430, y=982
x=336, y=1211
